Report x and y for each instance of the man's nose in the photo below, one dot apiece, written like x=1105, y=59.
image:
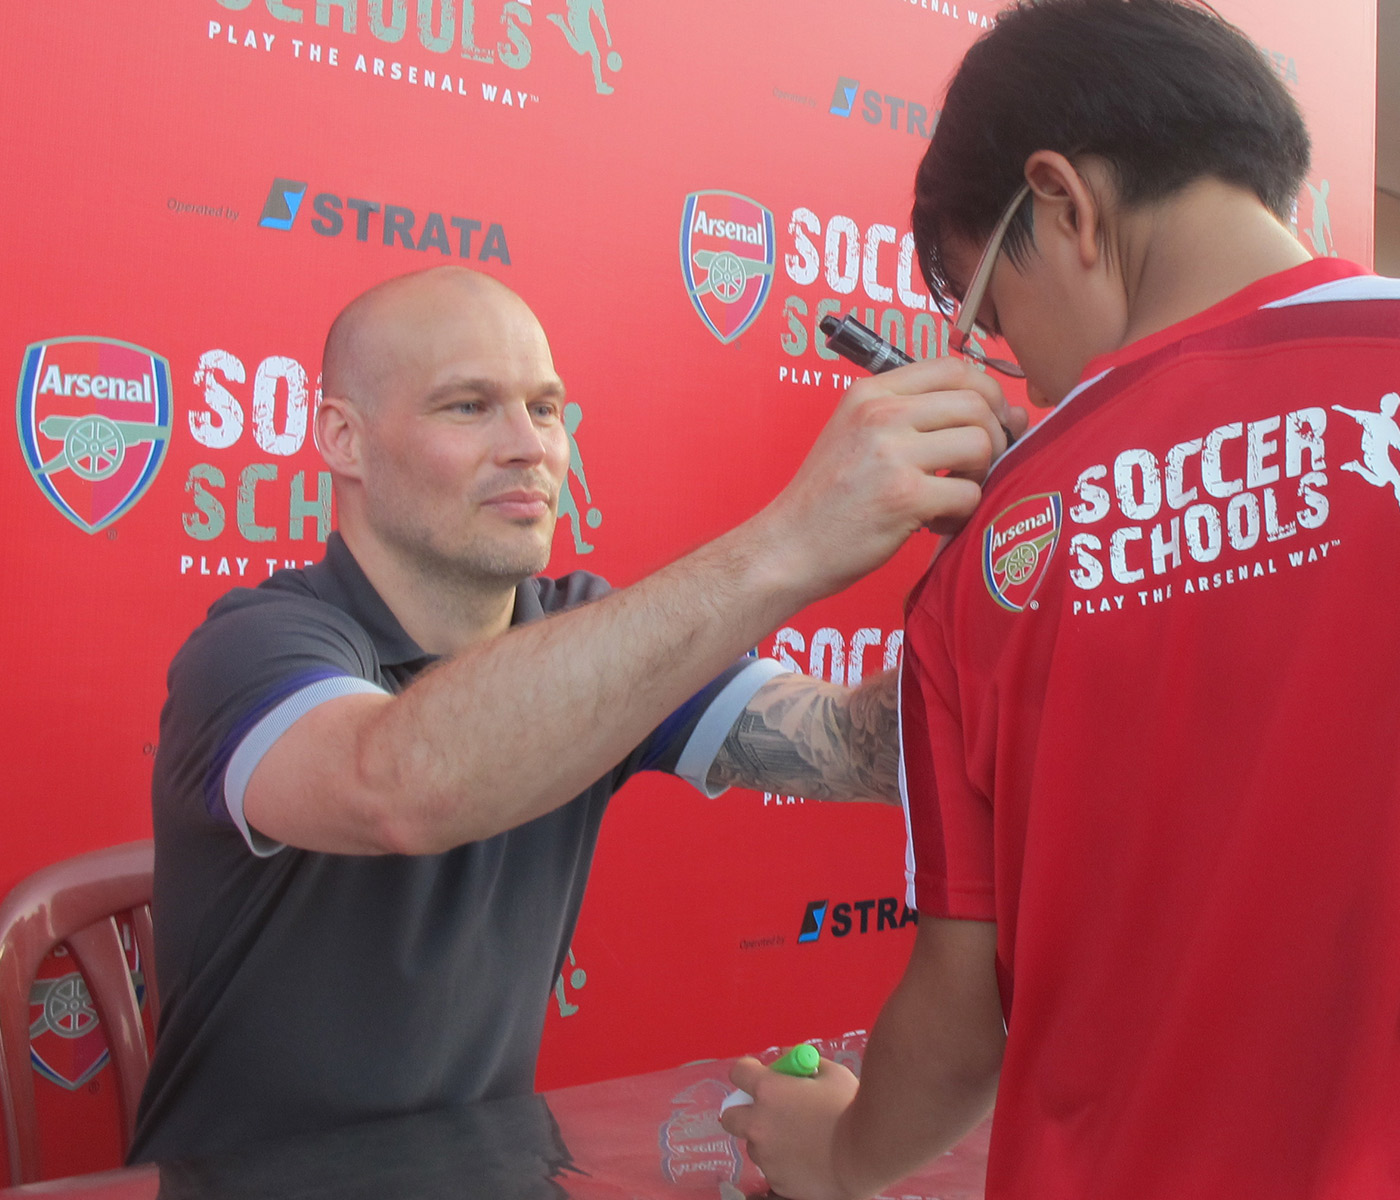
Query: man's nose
x=520, y=438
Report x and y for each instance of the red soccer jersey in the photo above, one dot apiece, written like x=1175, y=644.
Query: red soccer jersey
x=1151, y=727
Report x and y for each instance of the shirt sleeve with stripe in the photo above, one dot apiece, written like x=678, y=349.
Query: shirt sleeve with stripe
x=950, y=856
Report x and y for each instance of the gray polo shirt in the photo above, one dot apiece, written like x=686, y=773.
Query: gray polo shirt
x=305, y=991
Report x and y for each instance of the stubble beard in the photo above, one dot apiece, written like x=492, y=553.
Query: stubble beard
x=464, y=553
x=482, y=562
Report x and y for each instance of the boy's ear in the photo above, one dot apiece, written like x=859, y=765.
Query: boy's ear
x=1073, y=207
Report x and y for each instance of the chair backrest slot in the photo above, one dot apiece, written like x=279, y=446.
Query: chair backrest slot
x=75, y=902
x=146, y=947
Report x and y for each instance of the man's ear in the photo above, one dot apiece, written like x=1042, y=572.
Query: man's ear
x=1074, y=208
x=339, y=433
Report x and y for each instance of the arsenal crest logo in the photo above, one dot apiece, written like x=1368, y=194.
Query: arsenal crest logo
x=1017, y=548
x=727, y=259
x=66, y=1043
x=695, y=1150
x=94, y=424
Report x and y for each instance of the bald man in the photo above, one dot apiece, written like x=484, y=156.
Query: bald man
x=381, y=778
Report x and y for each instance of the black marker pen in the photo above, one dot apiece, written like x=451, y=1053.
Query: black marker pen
x=862, y=346
x=866, y=348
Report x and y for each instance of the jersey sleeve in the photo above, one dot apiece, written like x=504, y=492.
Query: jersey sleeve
x=238, y=684
x=949, y=859
x=687, y=742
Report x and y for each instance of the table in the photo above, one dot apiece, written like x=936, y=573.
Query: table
x=646, y=1137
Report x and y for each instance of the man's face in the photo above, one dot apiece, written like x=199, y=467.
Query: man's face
x=465, y=448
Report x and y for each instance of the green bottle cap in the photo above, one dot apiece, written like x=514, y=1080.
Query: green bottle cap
x=802, y=1059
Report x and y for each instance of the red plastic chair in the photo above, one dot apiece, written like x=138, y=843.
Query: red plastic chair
x=75, y=902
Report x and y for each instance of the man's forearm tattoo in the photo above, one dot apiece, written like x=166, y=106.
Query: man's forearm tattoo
x=802, y=737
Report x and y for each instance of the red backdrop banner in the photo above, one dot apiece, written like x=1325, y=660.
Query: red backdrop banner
x=195, y=187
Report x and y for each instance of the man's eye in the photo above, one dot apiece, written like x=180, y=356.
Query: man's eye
x=546, y=412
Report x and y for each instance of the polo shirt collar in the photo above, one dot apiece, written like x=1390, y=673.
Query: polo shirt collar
x=337, y=579
x=527, y=603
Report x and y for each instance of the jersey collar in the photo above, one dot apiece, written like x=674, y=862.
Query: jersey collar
x=1242, y=303
x=1250, y=299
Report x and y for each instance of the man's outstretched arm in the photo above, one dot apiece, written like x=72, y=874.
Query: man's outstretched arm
x=516, y=725
x=929, y=1075
x=800, y=736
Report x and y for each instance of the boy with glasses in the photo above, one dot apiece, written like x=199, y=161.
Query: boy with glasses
x=1148, y=705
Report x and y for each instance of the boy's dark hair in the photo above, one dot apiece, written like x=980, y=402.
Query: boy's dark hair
x=1164, y=91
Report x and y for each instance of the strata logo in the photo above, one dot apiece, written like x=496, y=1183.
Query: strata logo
x=727, y=255
x=282, y=204
x=1017, y=547
x=879, y=108
x=94, y=424
x=1284, y=65
x=855, y=917
x=391, y=223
